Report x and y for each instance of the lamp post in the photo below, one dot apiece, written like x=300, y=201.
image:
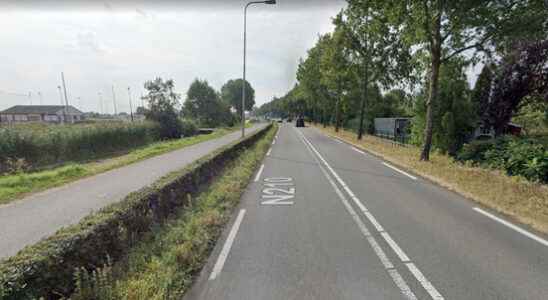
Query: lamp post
x=245, y=40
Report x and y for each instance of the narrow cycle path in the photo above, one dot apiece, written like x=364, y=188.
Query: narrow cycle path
x=28, y=220
x=324, y=220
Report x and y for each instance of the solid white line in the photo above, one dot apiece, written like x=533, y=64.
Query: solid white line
x=373, y=221
x=427, y=285
x=402, y=284
x=226, y=248
x=396, y=277
x=403, y=257
x=269, y=150
x=512, y=226
x=400, y=171
x=357, y=150
x=259, y=173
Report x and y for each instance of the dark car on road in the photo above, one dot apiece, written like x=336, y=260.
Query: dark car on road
x=299, y=122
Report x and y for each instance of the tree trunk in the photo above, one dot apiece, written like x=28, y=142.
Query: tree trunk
x=337, y=108
x=435, y=60
x=364, y=96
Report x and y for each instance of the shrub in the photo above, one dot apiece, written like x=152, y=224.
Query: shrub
x=39, y=146
x=188, y=128
x=516, y=156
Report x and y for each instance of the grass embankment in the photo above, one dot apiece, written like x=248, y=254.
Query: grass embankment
x=164, y=264
x=14, y=186
x=514, y=196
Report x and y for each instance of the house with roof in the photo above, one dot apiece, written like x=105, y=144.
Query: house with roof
x=41, y=113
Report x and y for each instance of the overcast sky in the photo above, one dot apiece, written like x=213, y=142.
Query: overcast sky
x=124, y=43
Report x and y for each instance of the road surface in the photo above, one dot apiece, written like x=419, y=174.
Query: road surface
x=324, y=220
x=28, y=220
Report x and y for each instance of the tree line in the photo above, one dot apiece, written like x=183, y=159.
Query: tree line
x=409, y=58
x=203, y=105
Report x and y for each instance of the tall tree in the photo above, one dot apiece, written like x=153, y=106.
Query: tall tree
x=481, y=93
x=524, y=72
x=204, y=105
x=377, y=46
x=231, y=93
x=439, y=30
x=163, y=103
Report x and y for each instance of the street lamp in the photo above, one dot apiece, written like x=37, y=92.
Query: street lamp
x=245, y=40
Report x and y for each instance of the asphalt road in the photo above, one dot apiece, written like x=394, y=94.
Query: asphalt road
x=324, y=220
x=28, y=220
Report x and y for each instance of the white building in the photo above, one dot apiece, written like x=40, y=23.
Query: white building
x=41, y=113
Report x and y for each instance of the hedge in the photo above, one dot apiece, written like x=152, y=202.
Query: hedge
x=33, y=146
x=46, y=269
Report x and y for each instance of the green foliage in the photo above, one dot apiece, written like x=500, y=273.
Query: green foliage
x=204, y=105
x=162, y=107
x=453, y=118
x=516, y=156
x=231, y=94
x=30, y=147
x=46, y=269
x=188, y=128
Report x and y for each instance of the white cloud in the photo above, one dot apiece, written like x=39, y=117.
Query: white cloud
x=125, y=47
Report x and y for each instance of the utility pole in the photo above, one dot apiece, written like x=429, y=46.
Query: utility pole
x=41, y=99
x=101, y=103
x=65, y=92
x=61, y=98
x=30, y=98
x=130, y=105
x=114, y=102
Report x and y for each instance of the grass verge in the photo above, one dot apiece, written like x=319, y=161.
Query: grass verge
x=164, y=263
x=13, y=187
x=513, y=196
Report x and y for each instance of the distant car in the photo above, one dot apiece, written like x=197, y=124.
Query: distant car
x=299, y=122
x=289, y=120
x=280, y=121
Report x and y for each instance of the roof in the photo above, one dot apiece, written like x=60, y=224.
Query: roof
x=39, y=109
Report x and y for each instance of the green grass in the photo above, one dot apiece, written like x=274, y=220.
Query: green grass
x=165, y=263
x=15, y=186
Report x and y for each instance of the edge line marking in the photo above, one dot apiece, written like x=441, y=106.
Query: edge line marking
x=512, y=226
x=399, y=171
x=258, y=176
x=226, y=247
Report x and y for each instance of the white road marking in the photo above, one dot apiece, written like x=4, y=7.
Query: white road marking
x=400, y=171
x=426, y=284
x=338, y=141
x=512, y=226
x=269, y=151
x=259, y=173
x=402, y=284
x=403, y=257
x=226, y=248
x=273, y=142
x=396, y=277
x=357, y=150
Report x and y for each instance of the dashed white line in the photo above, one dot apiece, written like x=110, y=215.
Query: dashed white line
x=426, y=284
x=396, y=277
x=403, y=257
x=338, y=141
x=226, y=248
x=400, y=171
x=269, y=151
x=357, y=150
x=258, y=176
x=273, y=142
x=512, y=226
